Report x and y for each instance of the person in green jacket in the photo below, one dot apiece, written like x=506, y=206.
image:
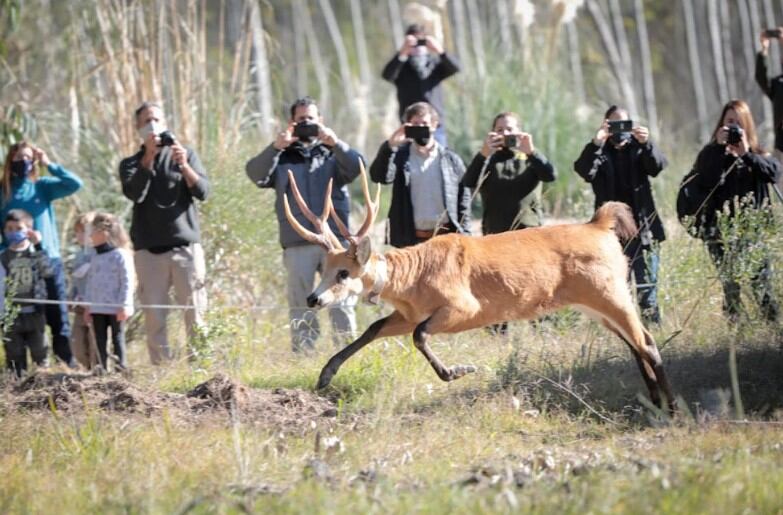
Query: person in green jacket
x=508, y=173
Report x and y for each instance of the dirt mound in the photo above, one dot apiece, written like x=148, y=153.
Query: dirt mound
x=277, y=407
x=219, y=397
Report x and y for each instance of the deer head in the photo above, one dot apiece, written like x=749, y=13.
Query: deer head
x=344, y=272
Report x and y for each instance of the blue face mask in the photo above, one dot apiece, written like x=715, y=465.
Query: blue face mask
x=14, y=237
x=21, y=169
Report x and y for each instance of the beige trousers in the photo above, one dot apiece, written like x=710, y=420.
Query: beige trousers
x=185, y=270
x=82, y=344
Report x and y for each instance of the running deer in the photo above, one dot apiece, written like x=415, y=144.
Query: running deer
x=452, y=283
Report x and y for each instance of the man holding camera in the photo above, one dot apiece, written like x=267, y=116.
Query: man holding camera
x=618, y=164
x=773, y=87
x=417, y=70
x=315, y=155
x=509, y=173
x=427, y=195
x=164, y=179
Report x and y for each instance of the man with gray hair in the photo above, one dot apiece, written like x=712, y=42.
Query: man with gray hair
x=163, y=179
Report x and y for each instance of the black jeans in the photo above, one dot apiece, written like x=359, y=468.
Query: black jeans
x=101, y=325
x=57, y=314
x=643, y=263
x=760, y=284
x=27, y=331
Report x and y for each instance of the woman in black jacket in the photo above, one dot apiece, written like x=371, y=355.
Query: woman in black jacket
x=619, y=167
x=731, y=177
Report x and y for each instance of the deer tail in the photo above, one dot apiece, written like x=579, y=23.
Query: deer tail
x=617, y=217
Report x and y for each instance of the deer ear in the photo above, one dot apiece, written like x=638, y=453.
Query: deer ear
x=363, y=250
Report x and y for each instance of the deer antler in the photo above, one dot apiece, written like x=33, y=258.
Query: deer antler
x=326, y=238
x=372, y=210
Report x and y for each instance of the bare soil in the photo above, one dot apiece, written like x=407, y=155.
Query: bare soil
x=75, y=393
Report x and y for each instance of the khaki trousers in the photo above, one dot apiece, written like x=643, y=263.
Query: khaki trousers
x=185, y=270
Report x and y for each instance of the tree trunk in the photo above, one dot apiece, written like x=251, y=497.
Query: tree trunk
x=695, y=63
x=622, y=74
x=728, y=48
x=747, y=45
x=476, y=37
x=339, y=46
x=362, y=100
x=396, y=22
x=774, y=56
x=648, y=83
x=260, y=66
x=503, y=17
x=575, y=60
x=461, y=35
x=717, y=49
x=314, y=46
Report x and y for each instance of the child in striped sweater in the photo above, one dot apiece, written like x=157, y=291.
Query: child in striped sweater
x=109, y=291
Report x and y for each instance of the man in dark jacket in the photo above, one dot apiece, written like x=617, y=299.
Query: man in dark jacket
x=313, y=161
x=427, y=197
x=773, y=88
x=164, y=181
x=417, y=70
x=618, y=167
x=509, y=178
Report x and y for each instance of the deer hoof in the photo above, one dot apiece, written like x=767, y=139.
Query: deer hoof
x=458, y=371
x=324, y=379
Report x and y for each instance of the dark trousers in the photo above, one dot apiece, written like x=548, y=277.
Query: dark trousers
x=101, y=325
x=57, y=314
x=760, y=285
x=27, y=332
x=644, y=267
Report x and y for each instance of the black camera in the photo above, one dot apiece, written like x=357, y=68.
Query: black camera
x=620, y=126
x=734, y=134
x=510, y=141
x=421, y=42
x=772, y=33
x=306, y=130
x=417, y=132
x=166, y=139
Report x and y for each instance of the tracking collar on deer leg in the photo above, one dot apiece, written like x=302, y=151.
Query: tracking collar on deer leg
x=379, y=281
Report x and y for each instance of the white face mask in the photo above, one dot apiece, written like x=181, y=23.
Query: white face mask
x=151, y=128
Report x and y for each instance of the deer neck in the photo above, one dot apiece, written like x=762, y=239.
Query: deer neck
x=375, y=278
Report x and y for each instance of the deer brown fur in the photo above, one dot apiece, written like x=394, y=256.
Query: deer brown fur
x=453, y=283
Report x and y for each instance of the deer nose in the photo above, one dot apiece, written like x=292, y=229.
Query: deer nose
x=312, y=300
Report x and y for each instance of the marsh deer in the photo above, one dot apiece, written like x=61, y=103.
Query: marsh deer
x=452, y=283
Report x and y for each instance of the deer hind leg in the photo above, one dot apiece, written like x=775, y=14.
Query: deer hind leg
x=647, y=372
x=392, y=325
x=626, y=322
x=441, y=320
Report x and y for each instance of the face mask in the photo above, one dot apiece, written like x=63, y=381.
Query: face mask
x=504, y=154
x=621, y=137
x=15, y=237
x=151, y=128
x=21, y=169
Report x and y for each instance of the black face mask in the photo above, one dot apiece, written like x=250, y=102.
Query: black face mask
x=21, y=169
x=504, y=154
x=422, y=142
x=620, y=138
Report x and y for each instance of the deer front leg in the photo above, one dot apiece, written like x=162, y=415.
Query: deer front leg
x=438, y=322
x=392, y=325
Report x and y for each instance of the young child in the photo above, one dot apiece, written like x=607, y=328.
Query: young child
x=82, y=344
x=109, y=282
x=26, y=267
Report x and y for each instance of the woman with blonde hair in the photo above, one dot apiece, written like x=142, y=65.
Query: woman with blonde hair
x=731, y=175
x=24, y=188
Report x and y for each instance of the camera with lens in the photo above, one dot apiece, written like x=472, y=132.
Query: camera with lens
x=421, y=42
x=166, y=139
x=509, y=141
x=772, y=33
x=734, y=135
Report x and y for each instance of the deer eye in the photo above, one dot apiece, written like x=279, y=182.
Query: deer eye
x=342, y=275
